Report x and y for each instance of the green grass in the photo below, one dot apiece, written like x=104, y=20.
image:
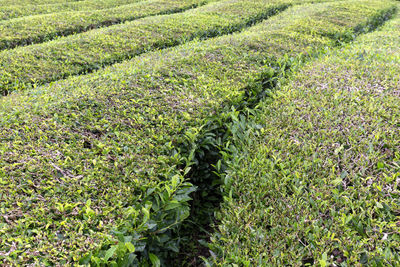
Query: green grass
x=92, y=50
x=15, y=11
x=41, y=28
x=314, y=175
x=97, y=152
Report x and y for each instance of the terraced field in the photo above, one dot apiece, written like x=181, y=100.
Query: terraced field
x=130, y=130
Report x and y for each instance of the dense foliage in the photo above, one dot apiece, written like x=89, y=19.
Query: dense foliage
x=29, y=9
x=313, y=177
x=36, y=29
x=96, y=48
x=95, y=168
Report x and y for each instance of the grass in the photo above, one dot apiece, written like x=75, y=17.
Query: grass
x=16, y=11
x=313, y=177
x=94, y=49
x=42, y=28
x=91, y=163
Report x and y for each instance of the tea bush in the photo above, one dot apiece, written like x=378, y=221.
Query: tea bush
x=93, y=167
x=94, y=49
x=313, y=176
x=16, y=11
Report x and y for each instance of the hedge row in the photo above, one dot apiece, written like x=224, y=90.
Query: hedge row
x=37, y=2
x=15, y=11
x=92, y=153
x=42, y=28
x=313, y=178
x=92, y=50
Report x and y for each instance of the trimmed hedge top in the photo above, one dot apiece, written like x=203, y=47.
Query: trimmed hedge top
x=41, y=28
x=27, y=2
x=94, y=49
x=315, y=176
x=15, y=11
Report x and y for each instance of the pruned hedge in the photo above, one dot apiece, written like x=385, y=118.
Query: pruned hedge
x=16, y=11
x=91, y=164
x=313, y=175
x=92, y=50
x=42, y=28
x=28, y=2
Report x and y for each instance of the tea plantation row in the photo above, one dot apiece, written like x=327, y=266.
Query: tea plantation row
x=36, y=29
x=29, y=9
x=313, y=176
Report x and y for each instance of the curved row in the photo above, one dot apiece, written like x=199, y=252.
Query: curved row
x=16, y=11
x=94, y=49
x=37, y=29
x=37, y=2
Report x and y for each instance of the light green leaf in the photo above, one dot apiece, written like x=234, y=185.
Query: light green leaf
x=130, y=247
x=110, y=252
x=154, y=260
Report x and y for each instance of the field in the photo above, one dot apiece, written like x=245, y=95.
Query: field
x=199, y=132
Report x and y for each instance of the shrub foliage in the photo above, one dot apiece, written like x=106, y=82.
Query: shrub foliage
x=313, y=177
x=94, y=168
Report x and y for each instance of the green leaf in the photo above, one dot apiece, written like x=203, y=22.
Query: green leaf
x=110, y=252
x=130, y=247
x=146, y=214
x=337, y=182
x=175, y=180
x=381, y=165
x=154, y=260
x=172, y=205
x=364, y=258
x=86, y=259
x=323, y=262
